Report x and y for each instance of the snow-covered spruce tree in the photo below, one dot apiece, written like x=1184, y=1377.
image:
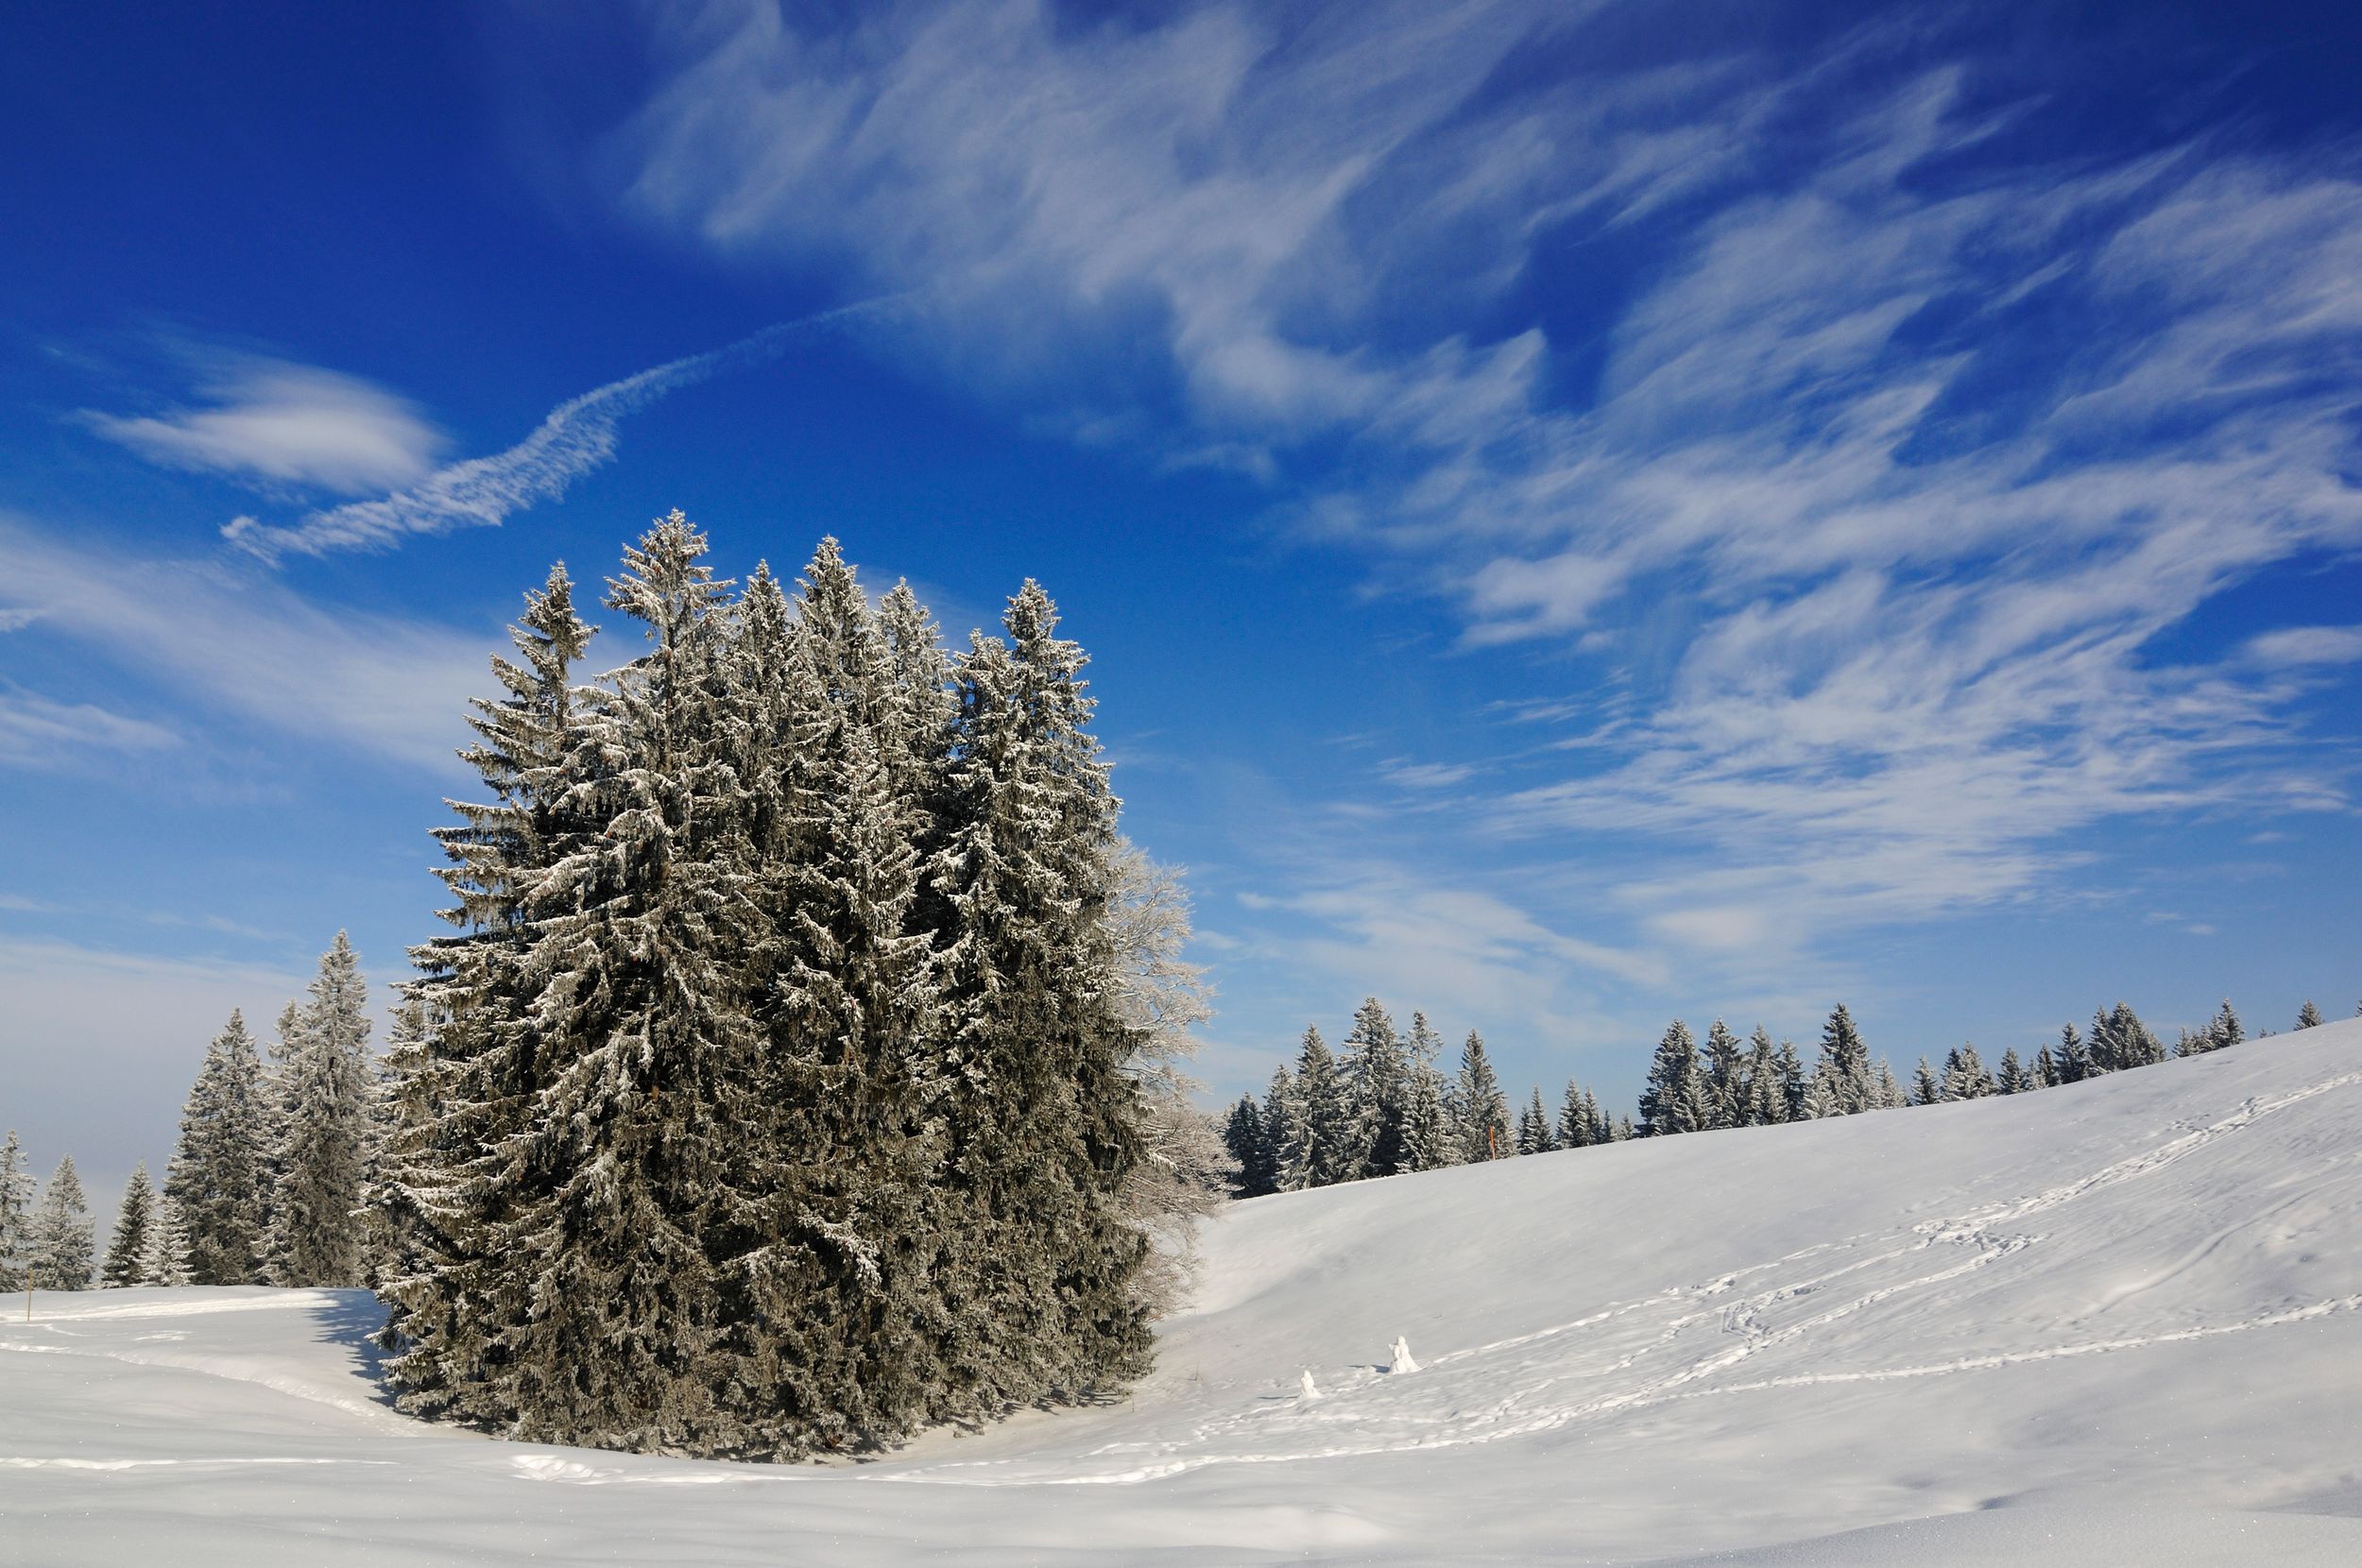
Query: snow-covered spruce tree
x=1850, y=1084
x=1286, y=1128
x=167, y=1259
x=217, y=1172
x=1378, y=1082
x=1576, y=1128
x=2308, y=1015
x=1725, y=1070
x=1794, y=1083
x=1045, y=1122
x=1926, y=1088
x=1315, y=1136
x=1429, y=1141
x=845, y=1342
x=613, y=1316
x=135, y=1234
x=328, y=1125
x=62, y=1238
x=464, y=1092
x=1675, y=1098
x=1479, y=1109
x=2226, y=1030
x=2120, y=1040
x=1249, y=1145
x=2014, y=1079
x=1966, y=1076
x=2046, y=1069
x=16, y=1203
x=2071, y=1061
x=1534, y=1134
x=1890, y=1096
x=1766, y=1102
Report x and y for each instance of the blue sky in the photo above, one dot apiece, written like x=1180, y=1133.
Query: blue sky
x=1583, y=514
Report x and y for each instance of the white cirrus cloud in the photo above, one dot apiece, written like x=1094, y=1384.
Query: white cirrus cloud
x=1891, y=474
x=284, y=423
x=359, y=680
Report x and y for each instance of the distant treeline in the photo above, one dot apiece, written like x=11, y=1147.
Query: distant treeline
x=1383, y=1105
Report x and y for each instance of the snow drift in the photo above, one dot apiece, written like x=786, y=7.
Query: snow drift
x=2117, y=1322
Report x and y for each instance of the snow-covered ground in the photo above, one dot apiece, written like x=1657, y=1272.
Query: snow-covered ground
x=2114, y=1323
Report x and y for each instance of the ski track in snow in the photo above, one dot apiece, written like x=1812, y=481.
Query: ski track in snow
x=1365, y=1411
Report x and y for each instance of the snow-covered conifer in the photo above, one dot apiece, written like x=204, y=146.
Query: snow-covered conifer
x=1725, y=1087
x=2119, y=1040
x=1575, y=1129
x=2308, y=1015
x=1926, y=1088
x=1479, y=1107
x=1766, y=1081
x=2014, y=1079
x=1249, y=1145
x=2226, y=1030
x=612, y=1337
x=1966, y=1076
x=328, y=1126
x=1675, y=1098
x=1535, y=1135
x=464, y=1091
x=167, y=1260
x=62, y=1238
x=217, y=1175
x=1851, y=1085
x=1318, y=1150
x=1377, y=1077
x=1793, y=1084
x=134, y=1236
x=2071, y=1062
x=16, y=1202
x=1427, y=1136
x=1045, y=1125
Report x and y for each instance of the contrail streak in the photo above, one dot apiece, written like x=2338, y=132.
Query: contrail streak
x=578, y=435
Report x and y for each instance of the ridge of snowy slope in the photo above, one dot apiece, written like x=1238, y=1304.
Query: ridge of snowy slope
x=2112, y=1322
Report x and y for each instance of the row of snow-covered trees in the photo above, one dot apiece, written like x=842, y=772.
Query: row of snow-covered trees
x=1384, y=1106
x=267, y=1183
x=801, y=1072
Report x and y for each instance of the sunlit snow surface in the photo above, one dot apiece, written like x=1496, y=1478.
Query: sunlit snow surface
x=2120, y=1323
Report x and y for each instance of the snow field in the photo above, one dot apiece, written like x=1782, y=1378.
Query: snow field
x=2117, y=1322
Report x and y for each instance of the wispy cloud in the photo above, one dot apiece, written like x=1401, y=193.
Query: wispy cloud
x=578, y=435
x=1920, y=449
x=38, y=733
x=380, y=684
x=286, y=424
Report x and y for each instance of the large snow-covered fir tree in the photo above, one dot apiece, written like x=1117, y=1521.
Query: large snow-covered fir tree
x=217, y=1175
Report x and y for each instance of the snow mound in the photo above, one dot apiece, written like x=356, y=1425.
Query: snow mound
x=2120, y=1321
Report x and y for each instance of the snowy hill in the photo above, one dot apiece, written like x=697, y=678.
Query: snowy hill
x=2115, y=1323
